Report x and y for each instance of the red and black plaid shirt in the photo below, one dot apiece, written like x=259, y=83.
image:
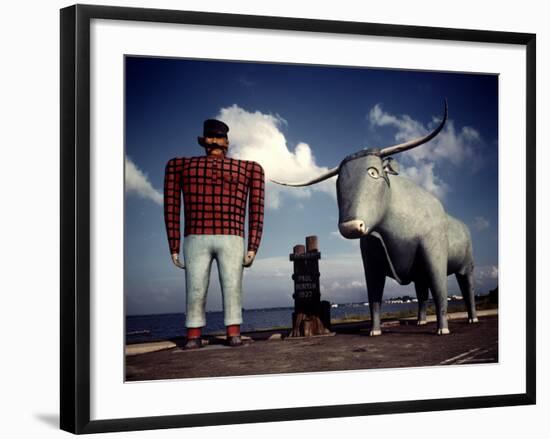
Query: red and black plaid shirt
x=215, y=191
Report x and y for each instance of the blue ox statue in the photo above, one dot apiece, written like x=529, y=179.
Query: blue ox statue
x=404, y=230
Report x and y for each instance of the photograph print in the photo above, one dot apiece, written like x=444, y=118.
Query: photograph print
x=293, y=218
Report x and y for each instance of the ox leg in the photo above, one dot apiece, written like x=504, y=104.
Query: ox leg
x=375, y=289
x=436, y=261
x=375, y=276
x=466, y=284
x=422, y=296
x=439, y=293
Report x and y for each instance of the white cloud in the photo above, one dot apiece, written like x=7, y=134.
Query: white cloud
x=337, y=234
x=258, y=136
x=450, y=145
x=246, y=82
x=480, y=223
x=485, y=278
x=138, y=183
x=423, y=175
x=343, y=279
x=338, y=287
x=486, y=272
x=353, y=243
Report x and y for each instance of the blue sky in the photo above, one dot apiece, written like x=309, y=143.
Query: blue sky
x=297, y=121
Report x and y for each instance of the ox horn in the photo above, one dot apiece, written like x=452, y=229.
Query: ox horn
x=330, y=173
x=415, y=142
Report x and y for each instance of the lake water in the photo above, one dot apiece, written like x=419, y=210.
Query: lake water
x=165, y=326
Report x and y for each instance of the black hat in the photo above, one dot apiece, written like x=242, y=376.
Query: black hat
x=213, y=128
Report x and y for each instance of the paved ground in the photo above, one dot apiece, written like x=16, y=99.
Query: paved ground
x=350, y=348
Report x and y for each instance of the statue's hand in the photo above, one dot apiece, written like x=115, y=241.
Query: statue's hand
x=176, y=261
x=249, y=258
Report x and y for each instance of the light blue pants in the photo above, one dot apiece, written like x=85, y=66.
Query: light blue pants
x=199, y=251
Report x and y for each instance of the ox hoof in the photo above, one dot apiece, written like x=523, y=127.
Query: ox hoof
x=473, y=320
x=443, y=331
x=421, y=323
x=375, y=332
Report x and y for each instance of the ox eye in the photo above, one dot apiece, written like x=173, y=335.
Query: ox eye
x=373, y=172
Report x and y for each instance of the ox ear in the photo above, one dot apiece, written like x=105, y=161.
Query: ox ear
x=390, y=166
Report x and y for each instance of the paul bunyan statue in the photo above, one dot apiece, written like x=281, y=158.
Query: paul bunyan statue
x=215, y=193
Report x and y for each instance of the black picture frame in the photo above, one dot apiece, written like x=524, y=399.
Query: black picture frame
x=75, y=217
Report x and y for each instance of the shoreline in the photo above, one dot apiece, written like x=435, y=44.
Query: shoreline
x=353, y=316
x=139, y=348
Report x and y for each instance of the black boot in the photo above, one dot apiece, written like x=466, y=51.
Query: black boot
x=234, y=340
x=193, y=343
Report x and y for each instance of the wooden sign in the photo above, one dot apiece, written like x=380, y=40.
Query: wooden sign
x=311, y=315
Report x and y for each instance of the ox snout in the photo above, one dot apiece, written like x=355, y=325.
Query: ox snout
x=353, y=229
